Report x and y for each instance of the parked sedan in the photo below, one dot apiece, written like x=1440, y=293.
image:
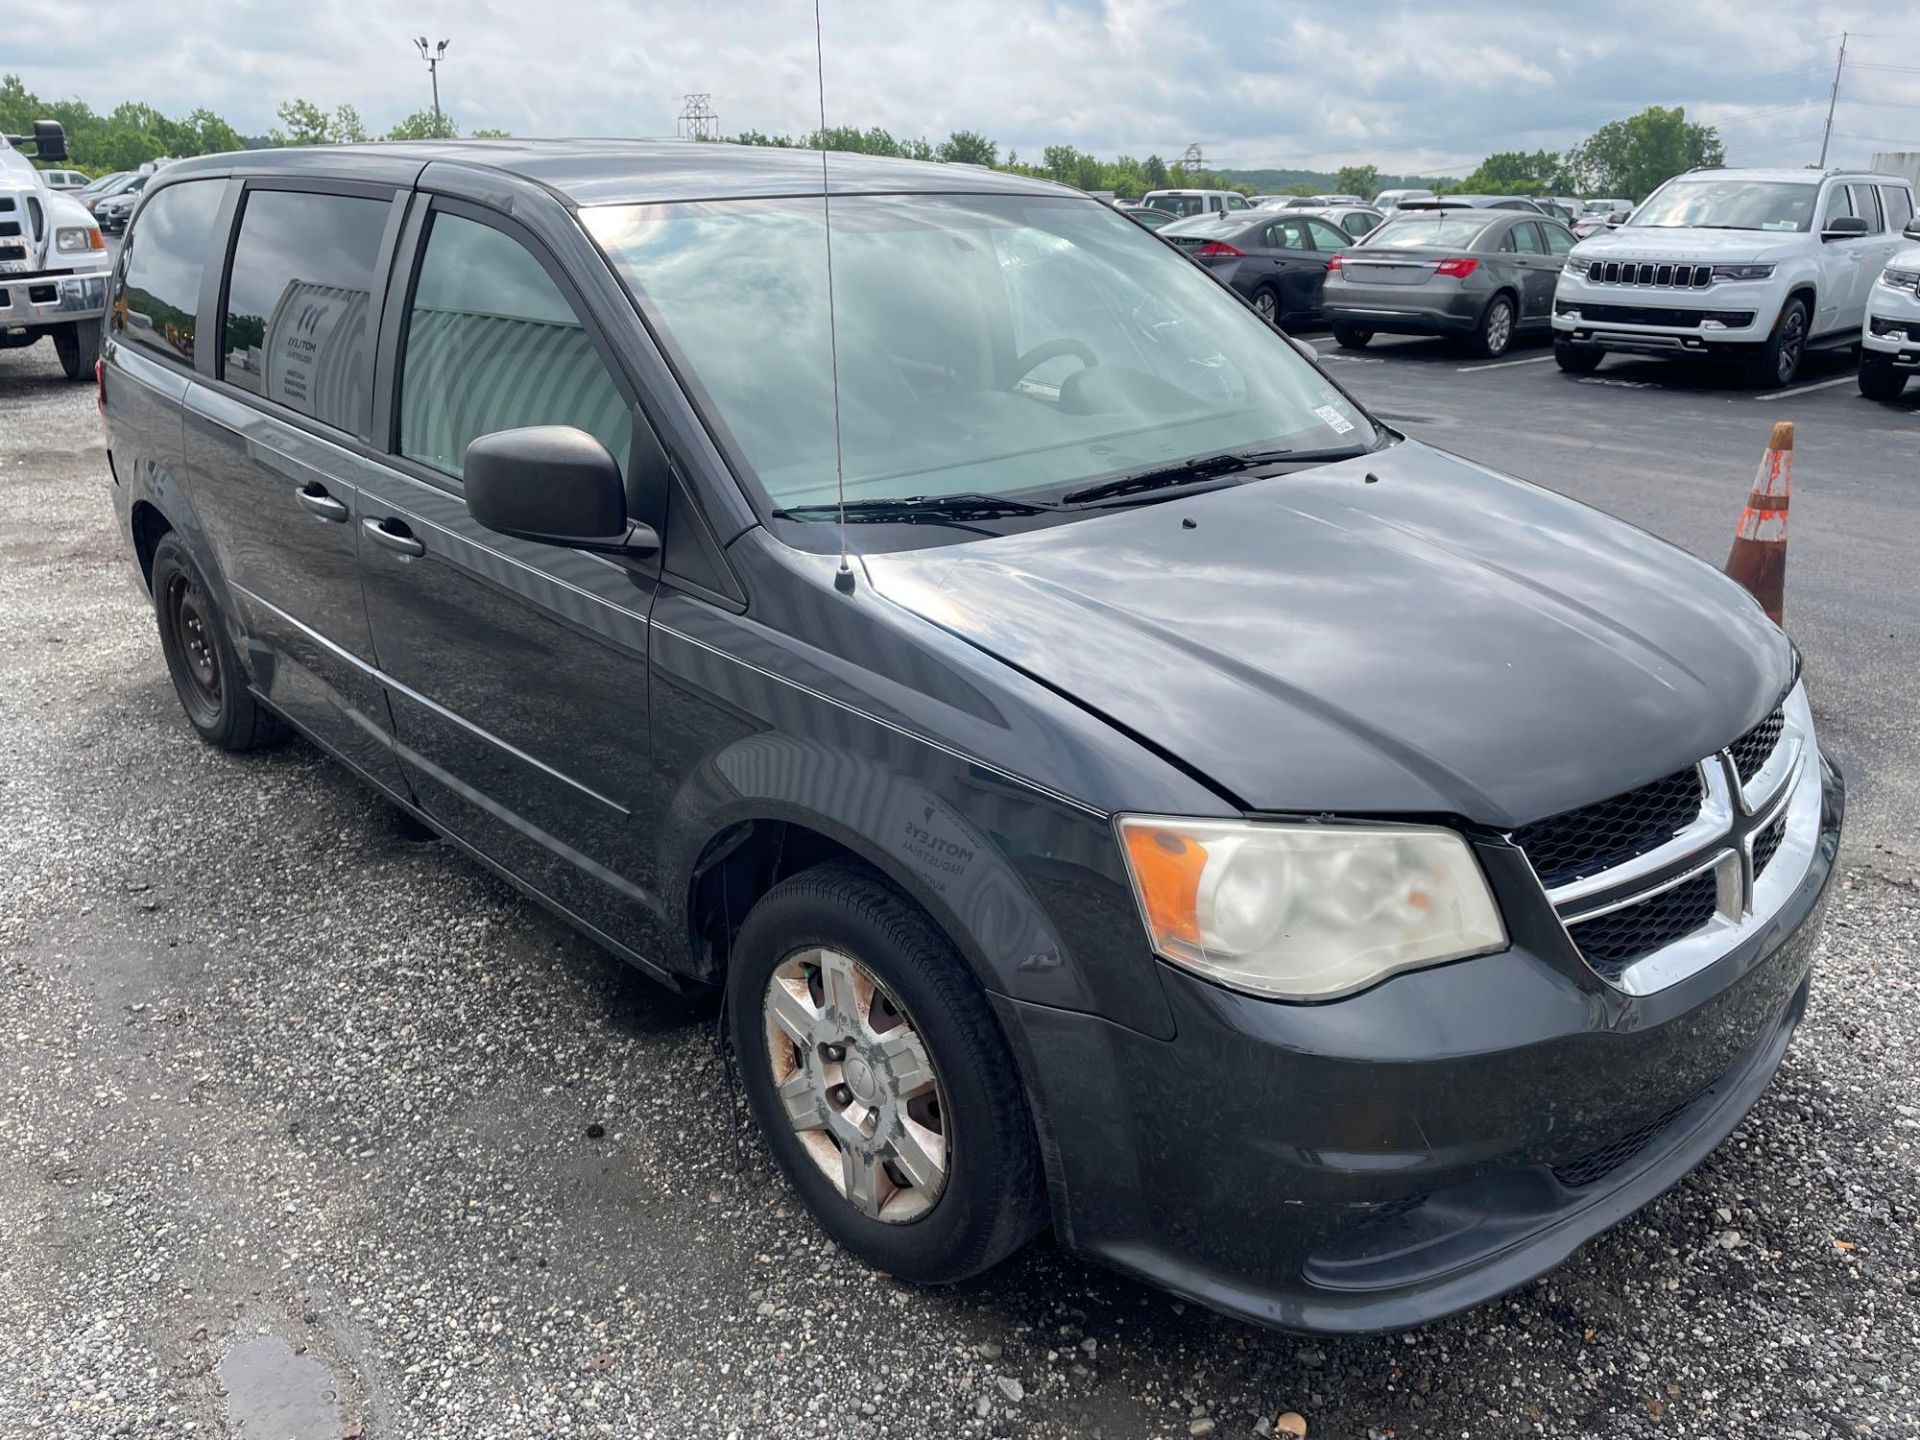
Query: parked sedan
x=1275, y=259
x=1481, y=275
x=116, y=209
x=1147, y=217
x=1358, y=221
x=1476, y=202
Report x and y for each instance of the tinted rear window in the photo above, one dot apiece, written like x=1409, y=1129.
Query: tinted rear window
x=161, y=269
x=1415, y=227
x=297, y=327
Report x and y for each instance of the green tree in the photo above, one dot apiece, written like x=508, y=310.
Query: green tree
x=1361, y=180
x=967, y=147
x=490, y=133
x=1635, y=156
x=760, y=137
x=306, y=123
x=421, y=125
x=1153, y=172
x=1517, y=172
x=345, y=127
x=919, y=148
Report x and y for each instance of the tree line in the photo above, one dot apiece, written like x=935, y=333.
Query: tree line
x=1628, y=158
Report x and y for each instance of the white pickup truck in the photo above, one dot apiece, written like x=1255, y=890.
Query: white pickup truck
x=1756, y=266
x=53, y=261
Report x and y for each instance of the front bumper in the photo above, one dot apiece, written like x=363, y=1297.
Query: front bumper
x=1386, y=1160
x=51, y=297
x=1656, y=320
x=1433, y=308
x=1892, y=329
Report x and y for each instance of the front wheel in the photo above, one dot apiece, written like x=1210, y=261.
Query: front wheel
x=1577, y=359
x=1879, y=380
x=1495, y=331
x=880, y=1078
x=78, y=345
x=1348, y=338
x=1777, y=362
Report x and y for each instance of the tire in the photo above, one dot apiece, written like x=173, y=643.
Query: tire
x=1348, y=338
x=1266, y=304
x=206, y=673
x=78, y=345
x=987, y=1200
x=1577, y=359
x=1494, y=334
x=1777, y=362
x=1879, y=380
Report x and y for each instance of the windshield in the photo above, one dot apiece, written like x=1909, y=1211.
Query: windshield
x=1428, y=227
x=987, y=345
x=1729, y=205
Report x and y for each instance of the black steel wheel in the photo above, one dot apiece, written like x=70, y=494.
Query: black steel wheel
x=206, y=673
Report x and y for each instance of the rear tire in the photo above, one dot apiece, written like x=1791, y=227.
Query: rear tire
x=1879, y=380
x=1266, y=304
x=206, y=672
x=985, y=1201
x=1777, y=362
x=78, y=345
x=1348, y=338
x=1577, y=359
x=1494, y=334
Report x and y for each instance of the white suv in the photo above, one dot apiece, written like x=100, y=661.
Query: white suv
x=1753, y=265
x=1195, y=202
x=1890, y=341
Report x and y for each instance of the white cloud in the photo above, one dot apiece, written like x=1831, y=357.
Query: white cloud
x=1258, y=83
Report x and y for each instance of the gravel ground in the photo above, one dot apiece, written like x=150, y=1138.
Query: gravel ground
x=312, y=1129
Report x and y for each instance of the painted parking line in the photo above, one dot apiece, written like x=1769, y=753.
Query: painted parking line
x=1804, y=389
x=1503, y=364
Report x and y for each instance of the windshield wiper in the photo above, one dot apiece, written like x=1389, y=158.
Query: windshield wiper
x=1206, y=467
x=919, y=509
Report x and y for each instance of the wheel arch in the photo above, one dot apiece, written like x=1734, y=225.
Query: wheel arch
x=149, y=525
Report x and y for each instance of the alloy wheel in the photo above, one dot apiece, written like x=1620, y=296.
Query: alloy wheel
x=1793, y=343
x=1499, y=327
x=1265, y=306
x=856, y=1080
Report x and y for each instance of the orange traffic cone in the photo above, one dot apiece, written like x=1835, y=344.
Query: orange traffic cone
x=1758, y=559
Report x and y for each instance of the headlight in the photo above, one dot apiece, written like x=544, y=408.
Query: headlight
x=1742, y=272
x=77, y=238
x=1900, y=279
x=1307, y=912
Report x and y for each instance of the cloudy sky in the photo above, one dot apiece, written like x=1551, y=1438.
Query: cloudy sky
x=1411, y=86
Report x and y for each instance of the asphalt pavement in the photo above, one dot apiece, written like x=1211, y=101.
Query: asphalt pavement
x=312, y=1129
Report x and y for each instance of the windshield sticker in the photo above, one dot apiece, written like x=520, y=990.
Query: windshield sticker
x=1334, y=420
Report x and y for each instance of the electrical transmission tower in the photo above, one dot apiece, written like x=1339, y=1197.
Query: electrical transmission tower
x=1193, y=160
x=697, y=120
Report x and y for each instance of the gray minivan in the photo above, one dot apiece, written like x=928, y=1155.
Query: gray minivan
x=1114, y=781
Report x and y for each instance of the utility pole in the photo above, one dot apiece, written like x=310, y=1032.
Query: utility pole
x=697, y=120
x=433, y=57
x=1832, y=100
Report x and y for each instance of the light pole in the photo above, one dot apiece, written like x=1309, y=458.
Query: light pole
x=433, y=57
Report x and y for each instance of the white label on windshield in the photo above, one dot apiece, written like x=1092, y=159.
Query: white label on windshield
x=1335, y=421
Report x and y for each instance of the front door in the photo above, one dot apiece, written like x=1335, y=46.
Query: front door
x=516, y=671
x=275, y=442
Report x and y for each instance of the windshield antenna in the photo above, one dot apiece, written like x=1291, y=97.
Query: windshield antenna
x=843, y=577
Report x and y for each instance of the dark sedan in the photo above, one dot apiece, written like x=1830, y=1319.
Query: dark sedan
x=1274, y=259
x=1483, y=276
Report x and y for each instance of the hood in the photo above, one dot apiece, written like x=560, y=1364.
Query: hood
x=1664, y=242
x=1439, y=639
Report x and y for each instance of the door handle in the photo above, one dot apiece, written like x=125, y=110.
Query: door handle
x=394, y=535
x=316, y=501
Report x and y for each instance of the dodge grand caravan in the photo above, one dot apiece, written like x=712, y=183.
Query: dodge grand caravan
x=1117, y=782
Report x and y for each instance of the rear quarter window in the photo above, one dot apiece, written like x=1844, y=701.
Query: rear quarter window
x=157, y=296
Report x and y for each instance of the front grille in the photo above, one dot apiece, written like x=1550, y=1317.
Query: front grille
x=1753, y=749
x=13, y=252
x=1767, y=843
x=9, y=228
x=1596, y=1165
x=1655, y=315
x=1578, y=843
x=1613, y=941
x=1648, y=272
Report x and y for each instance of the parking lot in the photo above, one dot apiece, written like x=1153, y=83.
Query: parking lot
x=314, y=1129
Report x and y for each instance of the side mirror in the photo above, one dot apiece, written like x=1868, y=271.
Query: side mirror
x=1844, y=227
x=1912, y=232
x=554, y=484
x=49, y=140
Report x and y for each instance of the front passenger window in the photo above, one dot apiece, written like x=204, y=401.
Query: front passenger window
x=492, y=344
